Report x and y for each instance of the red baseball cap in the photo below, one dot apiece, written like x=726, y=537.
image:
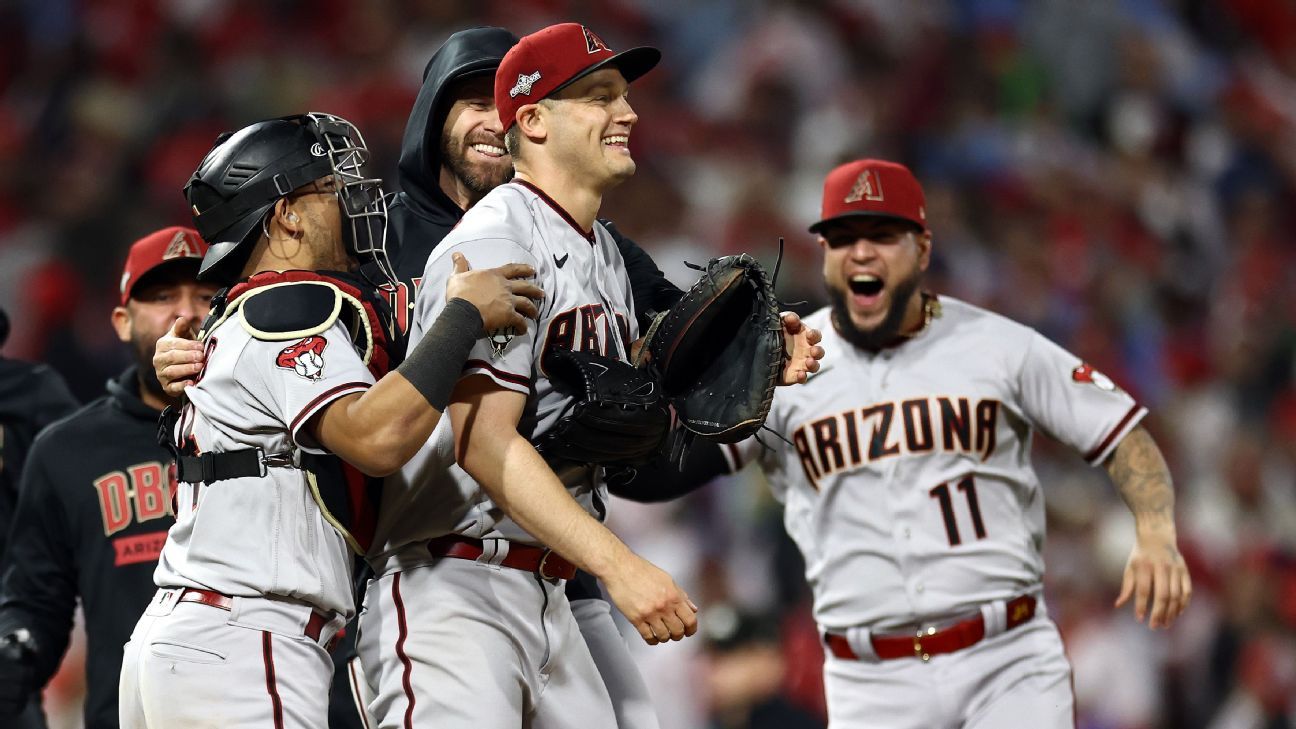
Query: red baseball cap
x=872, y=188
x=549, y=59
x=164, y=247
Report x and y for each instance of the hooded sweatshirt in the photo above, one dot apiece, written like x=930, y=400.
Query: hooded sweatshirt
x=421, y=215
x=94, y=509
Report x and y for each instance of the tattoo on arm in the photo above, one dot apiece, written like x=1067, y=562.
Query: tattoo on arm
x=1143, y=479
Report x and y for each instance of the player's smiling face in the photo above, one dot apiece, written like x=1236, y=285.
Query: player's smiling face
x=590, y=129
x=472, y=139
x=872, y=267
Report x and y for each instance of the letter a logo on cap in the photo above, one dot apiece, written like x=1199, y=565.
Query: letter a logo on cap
x=868, y=186
x=181, y=247
x=593, y=43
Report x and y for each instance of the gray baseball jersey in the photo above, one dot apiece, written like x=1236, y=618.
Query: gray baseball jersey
x=263, y=536
x=907, y=479
x=587, y=306
x=492, y=647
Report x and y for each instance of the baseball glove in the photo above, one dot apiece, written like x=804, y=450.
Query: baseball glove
x=719, y=350
x=617, y=418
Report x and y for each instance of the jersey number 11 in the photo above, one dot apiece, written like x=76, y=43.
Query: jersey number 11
x=942, y=494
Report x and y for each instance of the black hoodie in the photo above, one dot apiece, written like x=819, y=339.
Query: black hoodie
x=94, y=509
x=31, y=397
x=421, y=215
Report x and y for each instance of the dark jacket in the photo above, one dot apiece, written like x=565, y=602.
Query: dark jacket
x=31, y=397
x=93, y=512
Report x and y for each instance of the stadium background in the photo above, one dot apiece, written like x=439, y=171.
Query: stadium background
x=1116, y=173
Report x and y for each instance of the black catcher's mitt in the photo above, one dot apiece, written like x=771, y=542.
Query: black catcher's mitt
x=719, y=351
x=618, y=417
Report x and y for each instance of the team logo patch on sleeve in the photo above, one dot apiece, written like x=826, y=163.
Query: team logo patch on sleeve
x=499, y=341
x=306, y=357
x=1087, y=374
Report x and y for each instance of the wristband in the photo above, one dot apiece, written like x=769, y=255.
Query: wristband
x=434, y=366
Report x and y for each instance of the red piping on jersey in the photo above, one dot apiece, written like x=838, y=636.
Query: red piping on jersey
x=355, y=694
x=1112, y=435
x=402, y=631
x=588, y=235
x=331, y=392
x=267, y=657
x=473, y=364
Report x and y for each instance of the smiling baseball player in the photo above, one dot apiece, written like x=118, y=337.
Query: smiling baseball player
x=467, y=624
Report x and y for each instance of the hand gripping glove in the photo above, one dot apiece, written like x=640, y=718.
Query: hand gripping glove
x=617, y=418
x=719, y=350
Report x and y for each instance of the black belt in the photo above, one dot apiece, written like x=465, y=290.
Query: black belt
x=216, y=466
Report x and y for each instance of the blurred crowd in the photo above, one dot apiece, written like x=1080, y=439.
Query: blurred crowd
x=1119, y=174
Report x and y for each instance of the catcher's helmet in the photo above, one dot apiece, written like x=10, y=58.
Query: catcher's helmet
x=246, y=172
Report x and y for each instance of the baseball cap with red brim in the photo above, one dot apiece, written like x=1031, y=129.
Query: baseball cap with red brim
x=165, y=247
x=872, y=188
x=548, y=60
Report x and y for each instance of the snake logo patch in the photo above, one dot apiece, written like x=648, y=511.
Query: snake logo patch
x=306, y=358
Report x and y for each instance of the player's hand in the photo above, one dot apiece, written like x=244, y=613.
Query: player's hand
x=801, y=343
x=651, y=601
x=177, y=358
x=1157, y=578
x=502, y=295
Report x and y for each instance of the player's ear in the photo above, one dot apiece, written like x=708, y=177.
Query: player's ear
x=285, y=216
x=924, y=240
x=531, y=122
x=121, y=321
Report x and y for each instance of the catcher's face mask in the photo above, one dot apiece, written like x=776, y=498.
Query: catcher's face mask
x=360, y=198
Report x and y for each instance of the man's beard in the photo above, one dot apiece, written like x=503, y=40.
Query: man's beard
x=887, y=331
x=480, y=179
x=144, y=364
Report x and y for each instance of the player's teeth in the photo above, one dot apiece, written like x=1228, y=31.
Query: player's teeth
x=616, y=140
x=864, y=278
x=489, y=149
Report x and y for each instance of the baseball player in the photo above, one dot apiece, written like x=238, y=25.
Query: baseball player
x=904, y=469
x=256, y=574
x=467, y=624
x=92, y=526
x=453, y=155
x=31, y=397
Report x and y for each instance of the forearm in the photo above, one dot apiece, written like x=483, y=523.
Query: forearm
x=1143, y=480
x=381, y=429
x=519, y=481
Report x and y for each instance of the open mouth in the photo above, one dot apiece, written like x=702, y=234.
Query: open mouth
x=865, y=284
x=617, y=140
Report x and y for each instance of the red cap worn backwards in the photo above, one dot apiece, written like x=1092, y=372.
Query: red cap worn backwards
x=872, y=188
x=166, y=246
x=551, y=58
